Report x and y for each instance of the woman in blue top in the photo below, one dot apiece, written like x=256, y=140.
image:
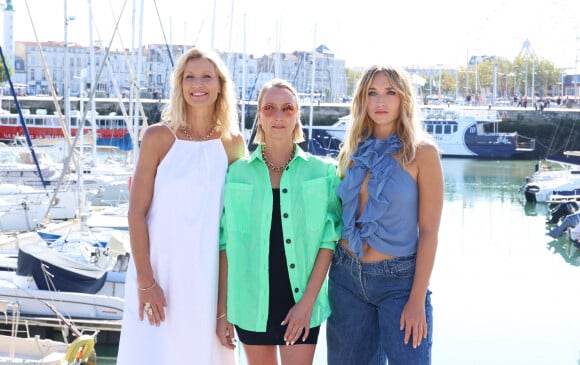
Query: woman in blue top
x=392, y=198
x=279, y=228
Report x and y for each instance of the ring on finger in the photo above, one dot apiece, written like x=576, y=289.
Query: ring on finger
x=148, y=308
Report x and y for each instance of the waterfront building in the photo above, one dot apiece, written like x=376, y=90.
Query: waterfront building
x=37, y=63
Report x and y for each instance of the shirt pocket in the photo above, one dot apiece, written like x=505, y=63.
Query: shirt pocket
x=315, y=202
x=237, y=202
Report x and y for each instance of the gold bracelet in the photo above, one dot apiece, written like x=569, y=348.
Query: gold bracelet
x=221, y=316
x=149, y=287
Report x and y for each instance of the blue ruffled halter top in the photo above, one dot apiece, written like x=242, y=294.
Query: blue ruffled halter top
x=388, y=222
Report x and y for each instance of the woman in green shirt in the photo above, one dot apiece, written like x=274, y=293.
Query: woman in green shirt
x=279, y=229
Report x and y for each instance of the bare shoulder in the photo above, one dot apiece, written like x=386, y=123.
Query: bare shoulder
x=428, y=162
x=235, y=146
x=158, y=132
x=427, y=153
x=157, y=140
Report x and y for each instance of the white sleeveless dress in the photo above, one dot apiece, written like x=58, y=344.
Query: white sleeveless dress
x=183, y=226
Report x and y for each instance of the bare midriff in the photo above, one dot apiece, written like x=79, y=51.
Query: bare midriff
x=369, y=253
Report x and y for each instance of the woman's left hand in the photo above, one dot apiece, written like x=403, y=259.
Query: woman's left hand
x=414, y=322
x=298, y=323
x=225, y=332
x=152, y=304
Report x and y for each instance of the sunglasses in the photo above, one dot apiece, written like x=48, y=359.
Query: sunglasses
x=270, y=110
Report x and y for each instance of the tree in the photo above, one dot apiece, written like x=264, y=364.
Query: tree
x=352, y=77
x=3, y=76
x=513, y=78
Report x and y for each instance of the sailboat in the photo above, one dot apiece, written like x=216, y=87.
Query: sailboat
x=16, y=349
x=71, y=272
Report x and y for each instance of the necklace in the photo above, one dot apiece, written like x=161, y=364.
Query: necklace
x=190, y=137
x=272, y=167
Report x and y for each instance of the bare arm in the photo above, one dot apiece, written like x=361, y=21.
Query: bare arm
x=431, y=187
x=154, y=146
x=224, y=329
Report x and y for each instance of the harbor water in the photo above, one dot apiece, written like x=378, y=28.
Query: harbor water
x=504, y=293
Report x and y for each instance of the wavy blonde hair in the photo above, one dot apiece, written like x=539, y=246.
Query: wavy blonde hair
x=408, y=126
x=225, y=113
x=298, y=135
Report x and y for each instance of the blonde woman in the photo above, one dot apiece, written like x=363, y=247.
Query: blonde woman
x=280, y=226
x=392, y=198
x=174, y=211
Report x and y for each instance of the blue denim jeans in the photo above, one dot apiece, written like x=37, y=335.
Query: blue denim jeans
x=367, y=300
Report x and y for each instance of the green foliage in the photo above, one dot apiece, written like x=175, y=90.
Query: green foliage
x=3, y=76
x=352, y=77
x=510, y=76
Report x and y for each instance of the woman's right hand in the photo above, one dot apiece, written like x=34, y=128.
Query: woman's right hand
x=225, y=332
x=152, y=304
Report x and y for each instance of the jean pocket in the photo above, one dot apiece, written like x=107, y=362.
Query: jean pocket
x=403, y=267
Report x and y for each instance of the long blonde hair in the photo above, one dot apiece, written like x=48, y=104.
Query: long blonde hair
x=226, y=111
x=408, y=127
x=298, y=135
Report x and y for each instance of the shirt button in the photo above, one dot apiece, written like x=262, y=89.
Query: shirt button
x=292, y=266
x=285, y=215
x=296, y=290
x=288, y=240
x=284, y=190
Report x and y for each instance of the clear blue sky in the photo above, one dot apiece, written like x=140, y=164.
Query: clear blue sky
x=443, y=32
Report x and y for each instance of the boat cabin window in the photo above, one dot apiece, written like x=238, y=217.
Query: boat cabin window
x=450, y=128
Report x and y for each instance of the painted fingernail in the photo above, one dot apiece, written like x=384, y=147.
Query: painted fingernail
x=292, y=343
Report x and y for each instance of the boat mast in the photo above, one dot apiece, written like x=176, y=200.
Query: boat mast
x=21, y=117
x=66, y=85
x=93, y=80
x=313, y=79
x=244, y=80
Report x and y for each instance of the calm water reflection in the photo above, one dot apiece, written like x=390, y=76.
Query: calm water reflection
x=503, y=291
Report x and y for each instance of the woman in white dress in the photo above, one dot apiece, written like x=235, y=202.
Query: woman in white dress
x=175, y=206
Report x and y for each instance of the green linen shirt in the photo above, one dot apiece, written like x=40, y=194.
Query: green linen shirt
x=311, y=220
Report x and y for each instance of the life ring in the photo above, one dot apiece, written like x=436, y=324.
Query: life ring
x=80, y=349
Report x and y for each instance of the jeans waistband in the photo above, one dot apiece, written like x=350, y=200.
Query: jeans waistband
x=341, y=256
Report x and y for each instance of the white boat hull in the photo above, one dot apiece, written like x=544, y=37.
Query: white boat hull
x=33, y=350
x=107, y=304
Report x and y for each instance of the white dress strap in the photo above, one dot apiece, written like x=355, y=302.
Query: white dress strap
x=169, y=127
